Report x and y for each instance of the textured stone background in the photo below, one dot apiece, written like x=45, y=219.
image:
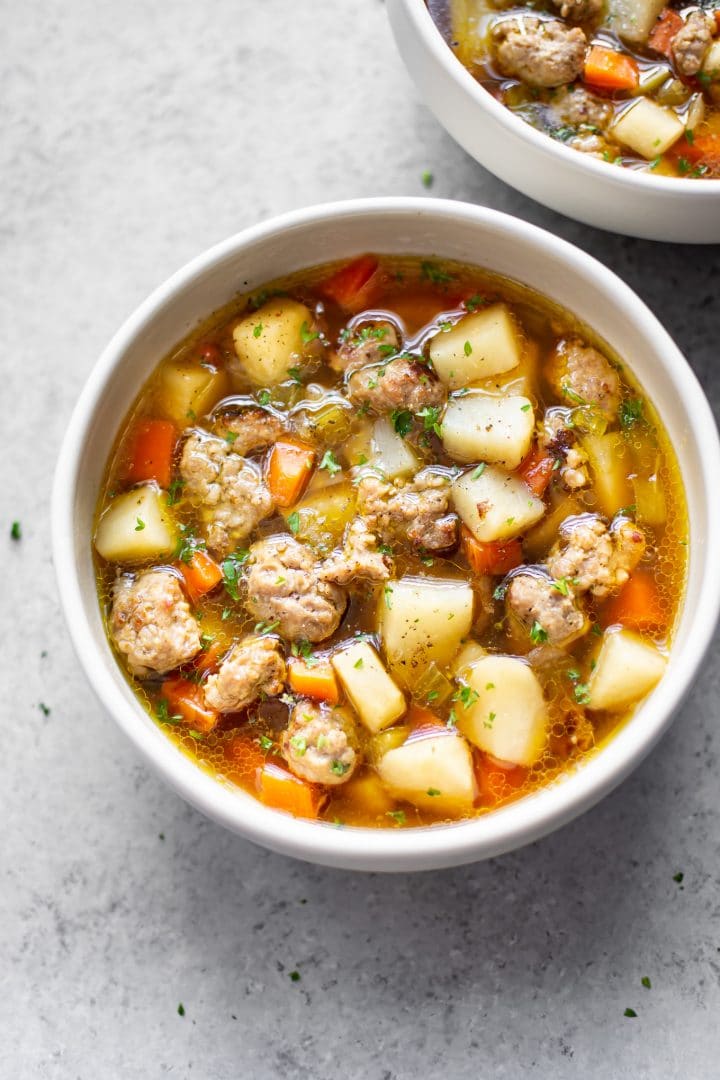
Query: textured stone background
x=136, y=135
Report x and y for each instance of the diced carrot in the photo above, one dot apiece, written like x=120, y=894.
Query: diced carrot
x=536, y=470
x=610, y=70
x=280, y=789
x=209, y=659
x=704, y=150
x=289, y=471
x=346, y=284
x=497, y=780
x=638, y=605
x=717, y=19
x=244, y=755
x=151, y=454
x=314, y=681
x=185, y=699
x=491, y=557
x=665, y=29
x=423, y=721
x=201, y=574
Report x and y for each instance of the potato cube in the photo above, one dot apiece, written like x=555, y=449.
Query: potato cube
x=633, y=20
x=421, y=620
x=648, y=129
x=509, y=718
x=482, y=428
x=272, y=340
x=391, y=453
x=434, y=773
x=494, y=504
x=711, y=63
x=488, y=342
x=186, y=392
x=136, y=526
x=627, y=668
x=377, y=700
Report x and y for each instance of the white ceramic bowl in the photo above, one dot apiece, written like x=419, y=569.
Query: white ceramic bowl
x=573, y=183
x=404, y=226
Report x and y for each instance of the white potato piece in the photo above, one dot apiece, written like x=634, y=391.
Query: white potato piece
x=648, y=129
x=627, y=668
x=488, y=342
x=469, y=654
x=390, y=453
x=711, y=63
x=188, y=391
x=609, y=465
x=377, y=700
x=433, y=772
x=482, y=428
x=633, y=20
x=495, y=505
x=509, y=719
x=421, y=620
x=136, y=526
x=270, y=341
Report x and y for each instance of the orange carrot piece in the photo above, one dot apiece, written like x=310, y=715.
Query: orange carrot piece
x=280, y=789
x=703, y=150
x=208, y=661
x=152, y=452
x=244, y=755
x=638, y=605
x=490, y=558
x=610, y=70
x=289, y=471
x=346, y=284
x=665, y=29
x=497, y=780
x=717, y=19
x=314, y=681
x=201, y=574
x=185, y=699
x=536, y=470
x=421, y=719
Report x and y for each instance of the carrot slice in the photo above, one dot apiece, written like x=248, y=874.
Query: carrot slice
x=185, y=699
x=704, y=150
x=314, y=681
x=209, y=659
x=610, y=70
x=497, y=780
x=492, y=557
x=536, y=470
x=423, y=721
x=665, y=29
x=201, y=574
x=346, y=284
x=151, y=457
x=289, y=471
x=637, y=606
x=280, y=789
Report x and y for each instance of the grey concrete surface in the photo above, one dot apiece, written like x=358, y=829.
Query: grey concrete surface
x=135, y=135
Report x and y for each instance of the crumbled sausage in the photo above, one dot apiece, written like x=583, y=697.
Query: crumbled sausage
x=369, y=343
x=227, y=489
x=417, y=511
x=285, y=589
x=691, y=43
x=539, y=52
x=359, y=560
x=582, y=376
x=578, y=107
x=320, y=745
x=399, y=384
x=151, y=623
x=594, y=558
x=546, y=612
x=560, y=440
x=250, y=429
x=579, y=10
x=254, y=666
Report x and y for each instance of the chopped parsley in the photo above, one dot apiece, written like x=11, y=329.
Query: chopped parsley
x=339, y=768
x=140, y=525
x=490, y=720
x=266, y=627
x=430, y=416
x=265, y=743
x=402, y=421
x=257, y=329
x=430, y=271
x=263, y=397
x=181, y=1009
x=293, y=522
x=631, y=412
x=299, y=745
x=427, y=178
x=307, y=334
x=679, y=877
x=398, y=816
x=44, y=709
x=295, y=374
x=294, y=976
x=163, y=713
x=385, y=549
x=174, y=492
x=582, y=695
x=303, y=650
x=188, y=543
x=645, y=981
x=467, y=348
x=358, y=663
x=562, y=585
x=630, y=1012
x=432, y=791
x=466, y=695
x=330, y=463
x=537, y=634
x=474, y=302
x=388, y=597
x=231, y=568
x=15, y=531
x=479, y=470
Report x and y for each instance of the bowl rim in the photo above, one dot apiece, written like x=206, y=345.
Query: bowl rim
x=433, y=40
x=361, y=847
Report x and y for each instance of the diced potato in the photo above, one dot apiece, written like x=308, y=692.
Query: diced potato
x=509, y=719
x=627, y=669
x=469, y=654
x=633, y=20
x=322, y=516
x=649, y=500
x=488, y=342
x=379, y=744
x=391, y=453
x=648, y=129
x=495, y=505
x=368, y=793
x=270, y=341
x=482, y=428
x=188, y=391
x=421, y=620
x=711, y=63
x=358, y=449
x=609, y=465
x=435, y=773
x=136, y=526
x=377, y=700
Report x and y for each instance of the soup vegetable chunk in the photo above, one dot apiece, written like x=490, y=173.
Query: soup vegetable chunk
x=632, y=82
x=390, y=543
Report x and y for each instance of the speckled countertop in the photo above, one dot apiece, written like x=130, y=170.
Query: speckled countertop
x=137, y=135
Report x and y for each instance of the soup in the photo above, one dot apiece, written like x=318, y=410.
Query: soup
x=633, y=83
x=390, y=543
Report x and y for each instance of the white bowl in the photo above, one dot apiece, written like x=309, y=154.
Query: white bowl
x=404, y=226
x=567, y=180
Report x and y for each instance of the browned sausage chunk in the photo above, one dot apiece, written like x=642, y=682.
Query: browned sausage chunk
x=399, y=384
x=320, y=744
x=594, y=558
x=250, y=430
x=417, y=511
x=691, y=43
x=359, y=560
x=253, y=667
x=369, y=343
x=151, y=623
x=539, y=52
x=582, y=376
x=546, y=613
